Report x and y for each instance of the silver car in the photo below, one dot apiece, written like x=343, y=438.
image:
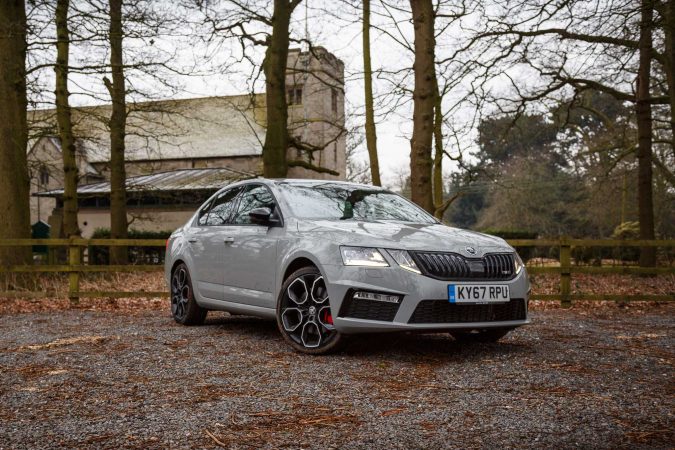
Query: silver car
x=327, y=259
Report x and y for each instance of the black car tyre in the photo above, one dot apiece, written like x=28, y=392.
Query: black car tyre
x=304, y=316
x=484, y=335
x=184, y=307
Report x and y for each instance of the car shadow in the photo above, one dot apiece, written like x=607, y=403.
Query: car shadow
x=245, y=324
x=406, y=344
x=373, y=345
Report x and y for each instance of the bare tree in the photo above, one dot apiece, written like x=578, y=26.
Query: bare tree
x=423, y=98
x=14, y=209
x=274, y=66
x=118, y=193
x=252, y=25
x=643, y=112
x=371, y=133
x=63, y=117
x=667, y=11
x=543, y=40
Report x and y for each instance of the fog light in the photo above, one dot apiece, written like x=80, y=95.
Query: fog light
x=363, y=295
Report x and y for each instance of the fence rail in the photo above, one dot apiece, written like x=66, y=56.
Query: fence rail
x=565, y=269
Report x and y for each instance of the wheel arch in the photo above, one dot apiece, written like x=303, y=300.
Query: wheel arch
x=296, y=264
x=175, y=264
x=293, y=262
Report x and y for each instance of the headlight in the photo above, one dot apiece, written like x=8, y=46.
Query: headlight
x=362, y=256
x=404, y=260
x=518, y=264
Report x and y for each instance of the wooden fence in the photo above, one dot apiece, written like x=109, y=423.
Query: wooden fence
x=76, y=266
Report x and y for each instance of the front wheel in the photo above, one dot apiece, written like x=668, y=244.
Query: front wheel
x=304, y=316
x=484, y=335
x=184, y=307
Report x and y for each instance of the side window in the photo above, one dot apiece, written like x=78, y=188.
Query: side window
x=222, y=207
x=254, y=197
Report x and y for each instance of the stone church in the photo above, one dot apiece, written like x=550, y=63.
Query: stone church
x=179, y=152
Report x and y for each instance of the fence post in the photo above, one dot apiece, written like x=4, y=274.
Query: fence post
x=565, y=272
x=73, y=276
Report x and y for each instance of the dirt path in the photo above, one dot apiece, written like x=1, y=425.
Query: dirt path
x=88, y=379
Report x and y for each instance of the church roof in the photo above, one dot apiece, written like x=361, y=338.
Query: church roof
x=170, y=181
x=205, y=127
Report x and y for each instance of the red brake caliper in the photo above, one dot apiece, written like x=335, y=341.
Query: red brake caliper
x=327, y=317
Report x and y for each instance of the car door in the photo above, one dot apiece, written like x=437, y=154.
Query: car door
x=252, y=255
x=207, y=243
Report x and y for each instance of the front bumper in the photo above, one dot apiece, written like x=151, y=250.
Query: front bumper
x=342, y=280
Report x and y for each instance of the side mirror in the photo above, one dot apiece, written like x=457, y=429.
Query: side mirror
x=260, y=216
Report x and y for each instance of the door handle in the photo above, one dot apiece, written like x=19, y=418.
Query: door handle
x=192, y=241
x=228, y=240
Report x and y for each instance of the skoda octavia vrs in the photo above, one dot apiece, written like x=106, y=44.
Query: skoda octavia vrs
x=328, y=259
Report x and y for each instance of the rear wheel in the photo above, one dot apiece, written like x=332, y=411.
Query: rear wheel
x=304, y=316
x=184, y=307
x=484, y=335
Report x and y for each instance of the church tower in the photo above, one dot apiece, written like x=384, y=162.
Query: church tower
x=316, y=112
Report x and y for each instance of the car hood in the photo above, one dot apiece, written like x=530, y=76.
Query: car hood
x=407, y=236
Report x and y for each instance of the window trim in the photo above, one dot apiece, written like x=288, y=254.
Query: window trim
x=207, y=204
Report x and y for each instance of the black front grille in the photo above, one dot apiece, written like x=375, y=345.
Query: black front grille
x=442, y=311
x=368, y=309
x=451, y=266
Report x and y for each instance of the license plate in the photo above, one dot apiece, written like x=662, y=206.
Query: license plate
x=478, y=293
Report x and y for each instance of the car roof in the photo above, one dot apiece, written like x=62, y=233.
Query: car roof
x=311, y=182
x=302, y=181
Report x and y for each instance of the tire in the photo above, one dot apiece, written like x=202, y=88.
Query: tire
x=304, y=316
x=184, y=307
x=484, y=335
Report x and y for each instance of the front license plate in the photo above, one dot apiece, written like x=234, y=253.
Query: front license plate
x=478, y=293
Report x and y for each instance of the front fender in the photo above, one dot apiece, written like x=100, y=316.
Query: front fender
x=319, y=251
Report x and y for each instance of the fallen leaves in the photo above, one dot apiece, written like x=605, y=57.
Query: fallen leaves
x=256, y=429
x=66, y=341
x=391, y=412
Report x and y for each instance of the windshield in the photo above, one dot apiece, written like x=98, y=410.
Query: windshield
x=345, y=202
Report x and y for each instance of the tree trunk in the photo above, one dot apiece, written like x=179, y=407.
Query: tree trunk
x=275, y=164
x=643, y=113
x=438, y=154
x=14, y=182
x=423, y=101
x=669, y=28
x=371, y=134
x=118, y=193
x=70, y=225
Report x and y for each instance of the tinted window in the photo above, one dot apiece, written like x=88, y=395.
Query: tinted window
x=254, y=197
x=222, y=208
x=345, y=202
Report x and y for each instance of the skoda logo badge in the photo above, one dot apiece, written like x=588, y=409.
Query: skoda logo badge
x=471, y=250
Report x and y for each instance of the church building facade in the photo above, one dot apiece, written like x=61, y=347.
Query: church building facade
x=180, y=151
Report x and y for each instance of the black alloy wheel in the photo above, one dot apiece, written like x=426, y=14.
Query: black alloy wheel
x=184, y=307
x=304, y=316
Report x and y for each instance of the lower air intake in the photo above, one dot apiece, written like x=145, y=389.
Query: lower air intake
x=368, y=309
x=442, y=311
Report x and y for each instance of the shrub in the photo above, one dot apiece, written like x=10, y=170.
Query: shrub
x=104, y=233
x=136, y=254
x=627, y=230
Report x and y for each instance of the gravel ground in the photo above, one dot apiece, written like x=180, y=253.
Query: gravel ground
x=101, y=379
